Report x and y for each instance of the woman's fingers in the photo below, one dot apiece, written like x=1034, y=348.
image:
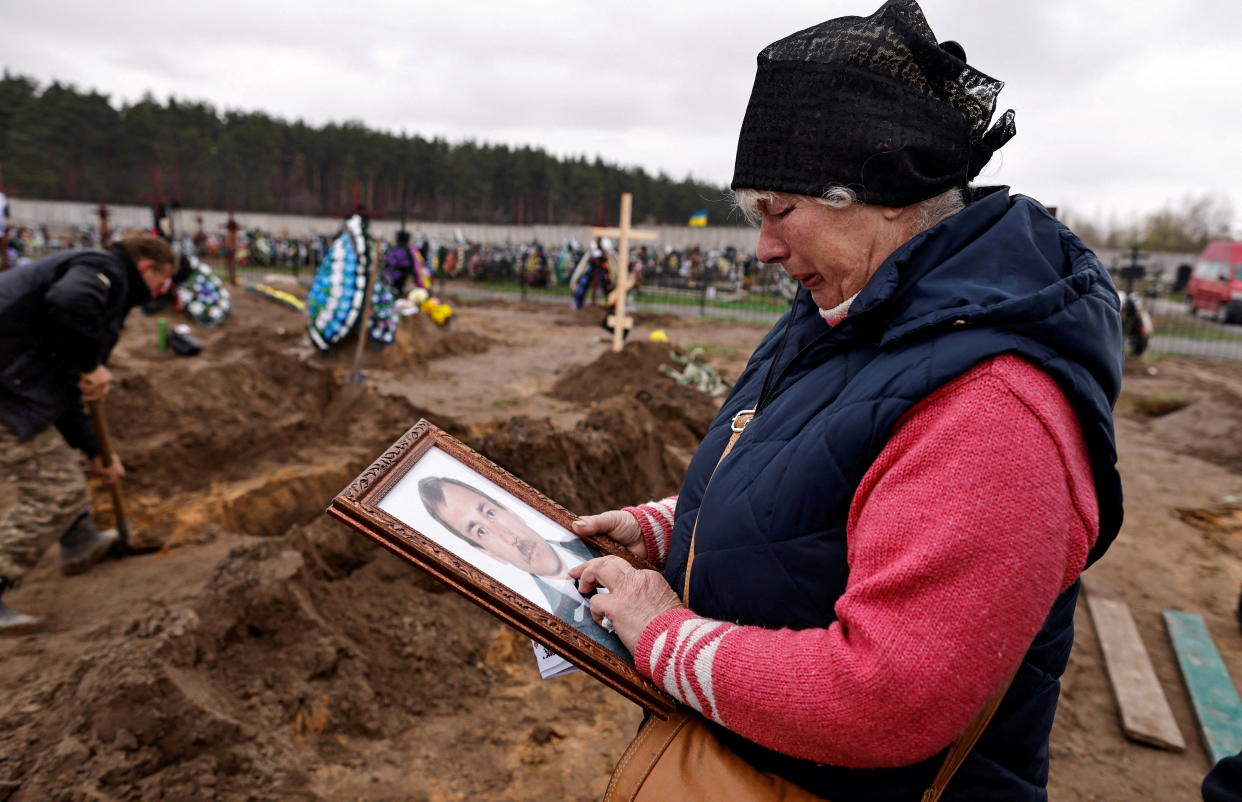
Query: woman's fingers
x=604, y=605
x=634, y=599
x=606, y=523
x=616, y=524
x=602, y=572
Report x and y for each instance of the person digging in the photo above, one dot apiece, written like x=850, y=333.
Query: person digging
x=60, y=318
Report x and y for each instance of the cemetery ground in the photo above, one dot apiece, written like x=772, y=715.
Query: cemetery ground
x=265, y=652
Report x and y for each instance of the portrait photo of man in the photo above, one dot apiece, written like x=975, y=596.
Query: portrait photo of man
x=495, y=529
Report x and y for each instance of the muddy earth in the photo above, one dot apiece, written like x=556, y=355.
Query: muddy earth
x=262, y=651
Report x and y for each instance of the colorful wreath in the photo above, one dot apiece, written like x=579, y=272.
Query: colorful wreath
x=203, y=295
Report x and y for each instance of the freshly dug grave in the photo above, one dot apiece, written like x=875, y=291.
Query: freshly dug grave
x=1191, y=405
x=268, y=652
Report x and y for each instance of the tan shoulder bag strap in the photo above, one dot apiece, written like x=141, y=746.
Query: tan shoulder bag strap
x=961, y=747
x=739, y=423
x=957, y=753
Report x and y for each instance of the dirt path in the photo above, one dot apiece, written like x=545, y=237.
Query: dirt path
x=268, y=653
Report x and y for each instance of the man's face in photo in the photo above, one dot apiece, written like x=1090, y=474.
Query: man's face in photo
x=498, y=531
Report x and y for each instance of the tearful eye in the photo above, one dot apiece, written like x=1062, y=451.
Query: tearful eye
x=777, y=213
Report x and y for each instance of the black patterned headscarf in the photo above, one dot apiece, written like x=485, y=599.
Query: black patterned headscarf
x=873, y=104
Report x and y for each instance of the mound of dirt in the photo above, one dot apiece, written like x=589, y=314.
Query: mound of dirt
x=618, y=456
x=1192, y=405
x=292, y=661
x=251, y=436
x=636, y=367
x=290, y=651
x=619, y=384
x=269, y=653
x=418, y=342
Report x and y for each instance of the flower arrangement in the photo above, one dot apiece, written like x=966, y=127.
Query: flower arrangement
x=337, y=293
x=203, y=295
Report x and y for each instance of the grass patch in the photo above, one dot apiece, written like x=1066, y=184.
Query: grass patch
x=1155, y=405
x=710, y=349
x=695, y=300
x=559, y=291
x=505, y=403
x=743, y=321
x=1192, y=329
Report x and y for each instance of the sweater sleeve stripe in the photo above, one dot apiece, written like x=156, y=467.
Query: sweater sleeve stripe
x=687, y=665
x=657, y=651
x=684, y=666
x=655, y=521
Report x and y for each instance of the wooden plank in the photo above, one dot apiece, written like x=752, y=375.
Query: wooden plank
x=1215, y=699
x=1145, y=713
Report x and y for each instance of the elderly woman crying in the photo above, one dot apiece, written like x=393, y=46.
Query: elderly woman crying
x=878, y=542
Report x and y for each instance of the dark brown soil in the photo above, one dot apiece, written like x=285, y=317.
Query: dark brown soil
x=267, y=652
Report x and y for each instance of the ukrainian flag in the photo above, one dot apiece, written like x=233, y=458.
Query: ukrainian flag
x=698, y=219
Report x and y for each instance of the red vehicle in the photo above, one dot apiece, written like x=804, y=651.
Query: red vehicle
x=1216, y=282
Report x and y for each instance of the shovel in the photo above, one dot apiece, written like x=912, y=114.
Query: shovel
x=122, y=546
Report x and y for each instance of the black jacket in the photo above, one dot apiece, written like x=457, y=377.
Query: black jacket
x=1224, y=782
x=60, y=317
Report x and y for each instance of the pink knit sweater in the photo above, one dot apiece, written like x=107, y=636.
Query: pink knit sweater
x=979, y=511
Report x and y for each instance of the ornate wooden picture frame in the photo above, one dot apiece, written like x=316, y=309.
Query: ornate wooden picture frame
x=427, y=488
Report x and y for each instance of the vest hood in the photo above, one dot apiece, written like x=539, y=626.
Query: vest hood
x=1001, y=262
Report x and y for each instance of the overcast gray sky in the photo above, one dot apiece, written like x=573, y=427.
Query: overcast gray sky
x=1123, y=106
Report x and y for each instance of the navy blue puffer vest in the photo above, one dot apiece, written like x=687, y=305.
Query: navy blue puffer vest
x=1001, y=276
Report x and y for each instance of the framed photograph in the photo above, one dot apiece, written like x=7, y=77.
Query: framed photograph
x=433, y=501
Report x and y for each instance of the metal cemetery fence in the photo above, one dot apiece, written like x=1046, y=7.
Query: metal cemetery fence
x=755, y=292
x=1158, y=321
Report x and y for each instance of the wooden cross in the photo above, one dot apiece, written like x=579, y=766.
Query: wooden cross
x=162, y=206
x=105, y=233
x=359, y=208
x=619, y=320
x=230, y=247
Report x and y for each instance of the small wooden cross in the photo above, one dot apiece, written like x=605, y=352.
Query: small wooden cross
x=230, y=247
x=105, y=233
x=359, y=208
x=619, y=320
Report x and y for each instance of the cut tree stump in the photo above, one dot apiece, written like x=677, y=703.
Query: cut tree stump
x=1215, y=699
x=1145, y=713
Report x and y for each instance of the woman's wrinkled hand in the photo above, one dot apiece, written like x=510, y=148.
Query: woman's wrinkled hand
x=634, y=598
x=615, y=524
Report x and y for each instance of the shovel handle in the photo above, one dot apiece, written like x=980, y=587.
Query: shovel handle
x=105, y=445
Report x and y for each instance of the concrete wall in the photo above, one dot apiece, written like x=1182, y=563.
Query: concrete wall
x=69, y=215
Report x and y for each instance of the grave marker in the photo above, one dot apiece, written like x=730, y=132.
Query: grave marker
x=619, y=320
x=1215, y=699
x=1145, y=712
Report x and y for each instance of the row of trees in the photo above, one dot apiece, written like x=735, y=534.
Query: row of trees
x=1184, y=227
x=60, y=143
